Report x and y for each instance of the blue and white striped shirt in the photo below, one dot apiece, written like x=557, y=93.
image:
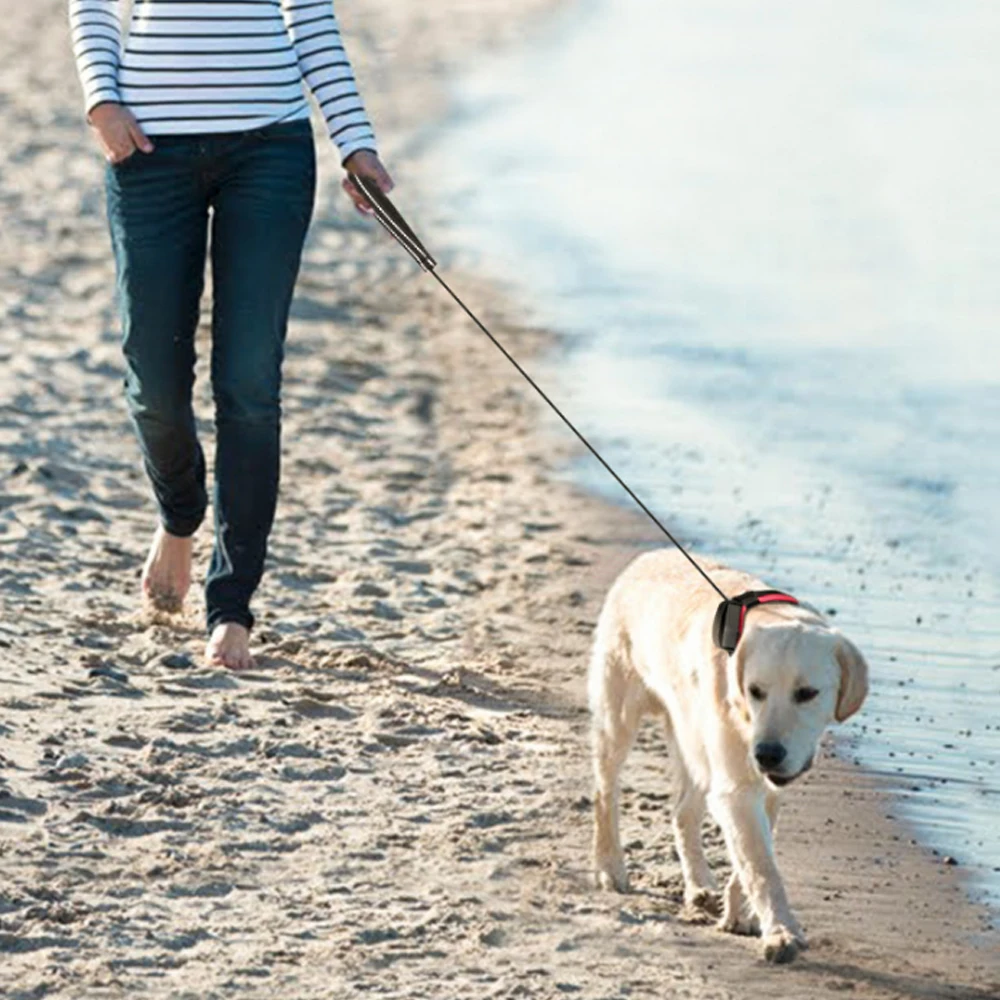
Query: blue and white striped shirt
x=218, y=66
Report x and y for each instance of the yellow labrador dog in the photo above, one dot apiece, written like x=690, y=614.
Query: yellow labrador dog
x=740, y=726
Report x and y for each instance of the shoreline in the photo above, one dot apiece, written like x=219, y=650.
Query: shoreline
x=872, y=487
x=396, y=800
x=879, y=762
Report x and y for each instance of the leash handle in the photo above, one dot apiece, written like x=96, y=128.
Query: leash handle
x=392, y=221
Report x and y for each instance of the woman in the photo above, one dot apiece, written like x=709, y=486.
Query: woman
x=206, y=109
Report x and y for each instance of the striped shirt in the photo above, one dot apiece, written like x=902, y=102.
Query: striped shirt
x=216, y=66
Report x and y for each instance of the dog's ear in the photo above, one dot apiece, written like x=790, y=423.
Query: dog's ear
x=853, y=678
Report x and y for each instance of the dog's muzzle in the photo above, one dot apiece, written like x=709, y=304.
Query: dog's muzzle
x=779, y=779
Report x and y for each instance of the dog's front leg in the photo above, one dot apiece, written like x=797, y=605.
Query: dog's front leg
x=742, y=814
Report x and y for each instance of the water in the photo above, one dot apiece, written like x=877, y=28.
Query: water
x=771, y=235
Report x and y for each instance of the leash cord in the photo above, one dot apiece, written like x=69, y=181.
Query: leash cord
x=390, y=219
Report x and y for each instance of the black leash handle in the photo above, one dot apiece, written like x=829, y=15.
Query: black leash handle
x=393, y=222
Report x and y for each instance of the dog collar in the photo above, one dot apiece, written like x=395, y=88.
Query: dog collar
x=732, y=613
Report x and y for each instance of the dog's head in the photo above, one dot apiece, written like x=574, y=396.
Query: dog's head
x=792, y=678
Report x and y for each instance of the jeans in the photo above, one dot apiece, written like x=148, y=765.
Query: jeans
x=254, y=191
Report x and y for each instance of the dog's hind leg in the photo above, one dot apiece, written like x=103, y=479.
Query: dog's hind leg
x=700, y=888
x=737, y=915
x=618, y=701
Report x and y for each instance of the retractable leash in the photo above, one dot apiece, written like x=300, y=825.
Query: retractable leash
x=731, y=614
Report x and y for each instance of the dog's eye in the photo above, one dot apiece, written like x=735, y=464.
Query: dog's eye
x=802, y=695
x=757, y=692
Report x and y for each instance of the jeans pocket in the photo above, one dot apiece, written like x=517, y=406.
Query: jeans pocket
x=119, y=164
x=136, y=156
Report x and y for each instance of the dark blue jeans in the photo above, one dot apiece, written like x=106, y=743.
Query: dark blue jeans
x=253, y=192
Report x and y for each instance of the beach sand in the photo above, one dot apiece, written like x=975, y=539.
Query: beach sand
x=396, y=801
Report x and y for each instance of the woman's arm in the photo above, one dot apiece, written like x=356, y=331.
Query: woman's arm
x=97, y=35
x=96, y=29
x=326, y=69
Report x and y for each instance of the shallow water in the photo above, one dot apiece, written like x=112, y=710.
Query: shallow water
x=772, y=237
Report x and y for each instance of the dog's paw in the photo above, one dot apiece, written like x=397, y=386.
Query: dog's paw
x=701, y=905
x=782, y=945
x=739, y=923
x=707, y=900
x=612, y=877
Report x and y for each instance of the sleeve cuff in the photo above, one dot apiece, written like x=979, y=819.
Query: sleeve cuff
x=103, y=96
x=353, y=145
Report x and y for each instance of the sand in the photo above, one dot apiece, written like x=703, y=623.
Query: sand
x=395, y=802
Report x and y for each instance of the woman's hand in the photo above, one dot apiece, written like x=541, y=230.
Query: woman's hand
x=366, y=164
x=118, y=133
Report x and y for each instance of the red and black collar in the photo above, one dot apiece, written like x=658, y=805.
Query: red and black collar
x=732, y=613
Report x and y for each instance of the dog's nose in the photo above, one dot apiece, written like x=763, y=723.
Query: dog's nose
x=769, y=755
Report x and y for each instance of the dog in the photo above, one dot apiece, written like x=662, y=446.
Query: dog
x=740, y=726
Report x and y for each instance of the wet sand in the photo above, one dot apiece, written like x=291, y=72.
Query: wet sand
x=395, y=803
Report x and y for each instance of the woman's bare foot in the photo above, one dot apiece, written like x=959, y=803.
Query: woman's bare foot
x=166, y=577
x=229, y=646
